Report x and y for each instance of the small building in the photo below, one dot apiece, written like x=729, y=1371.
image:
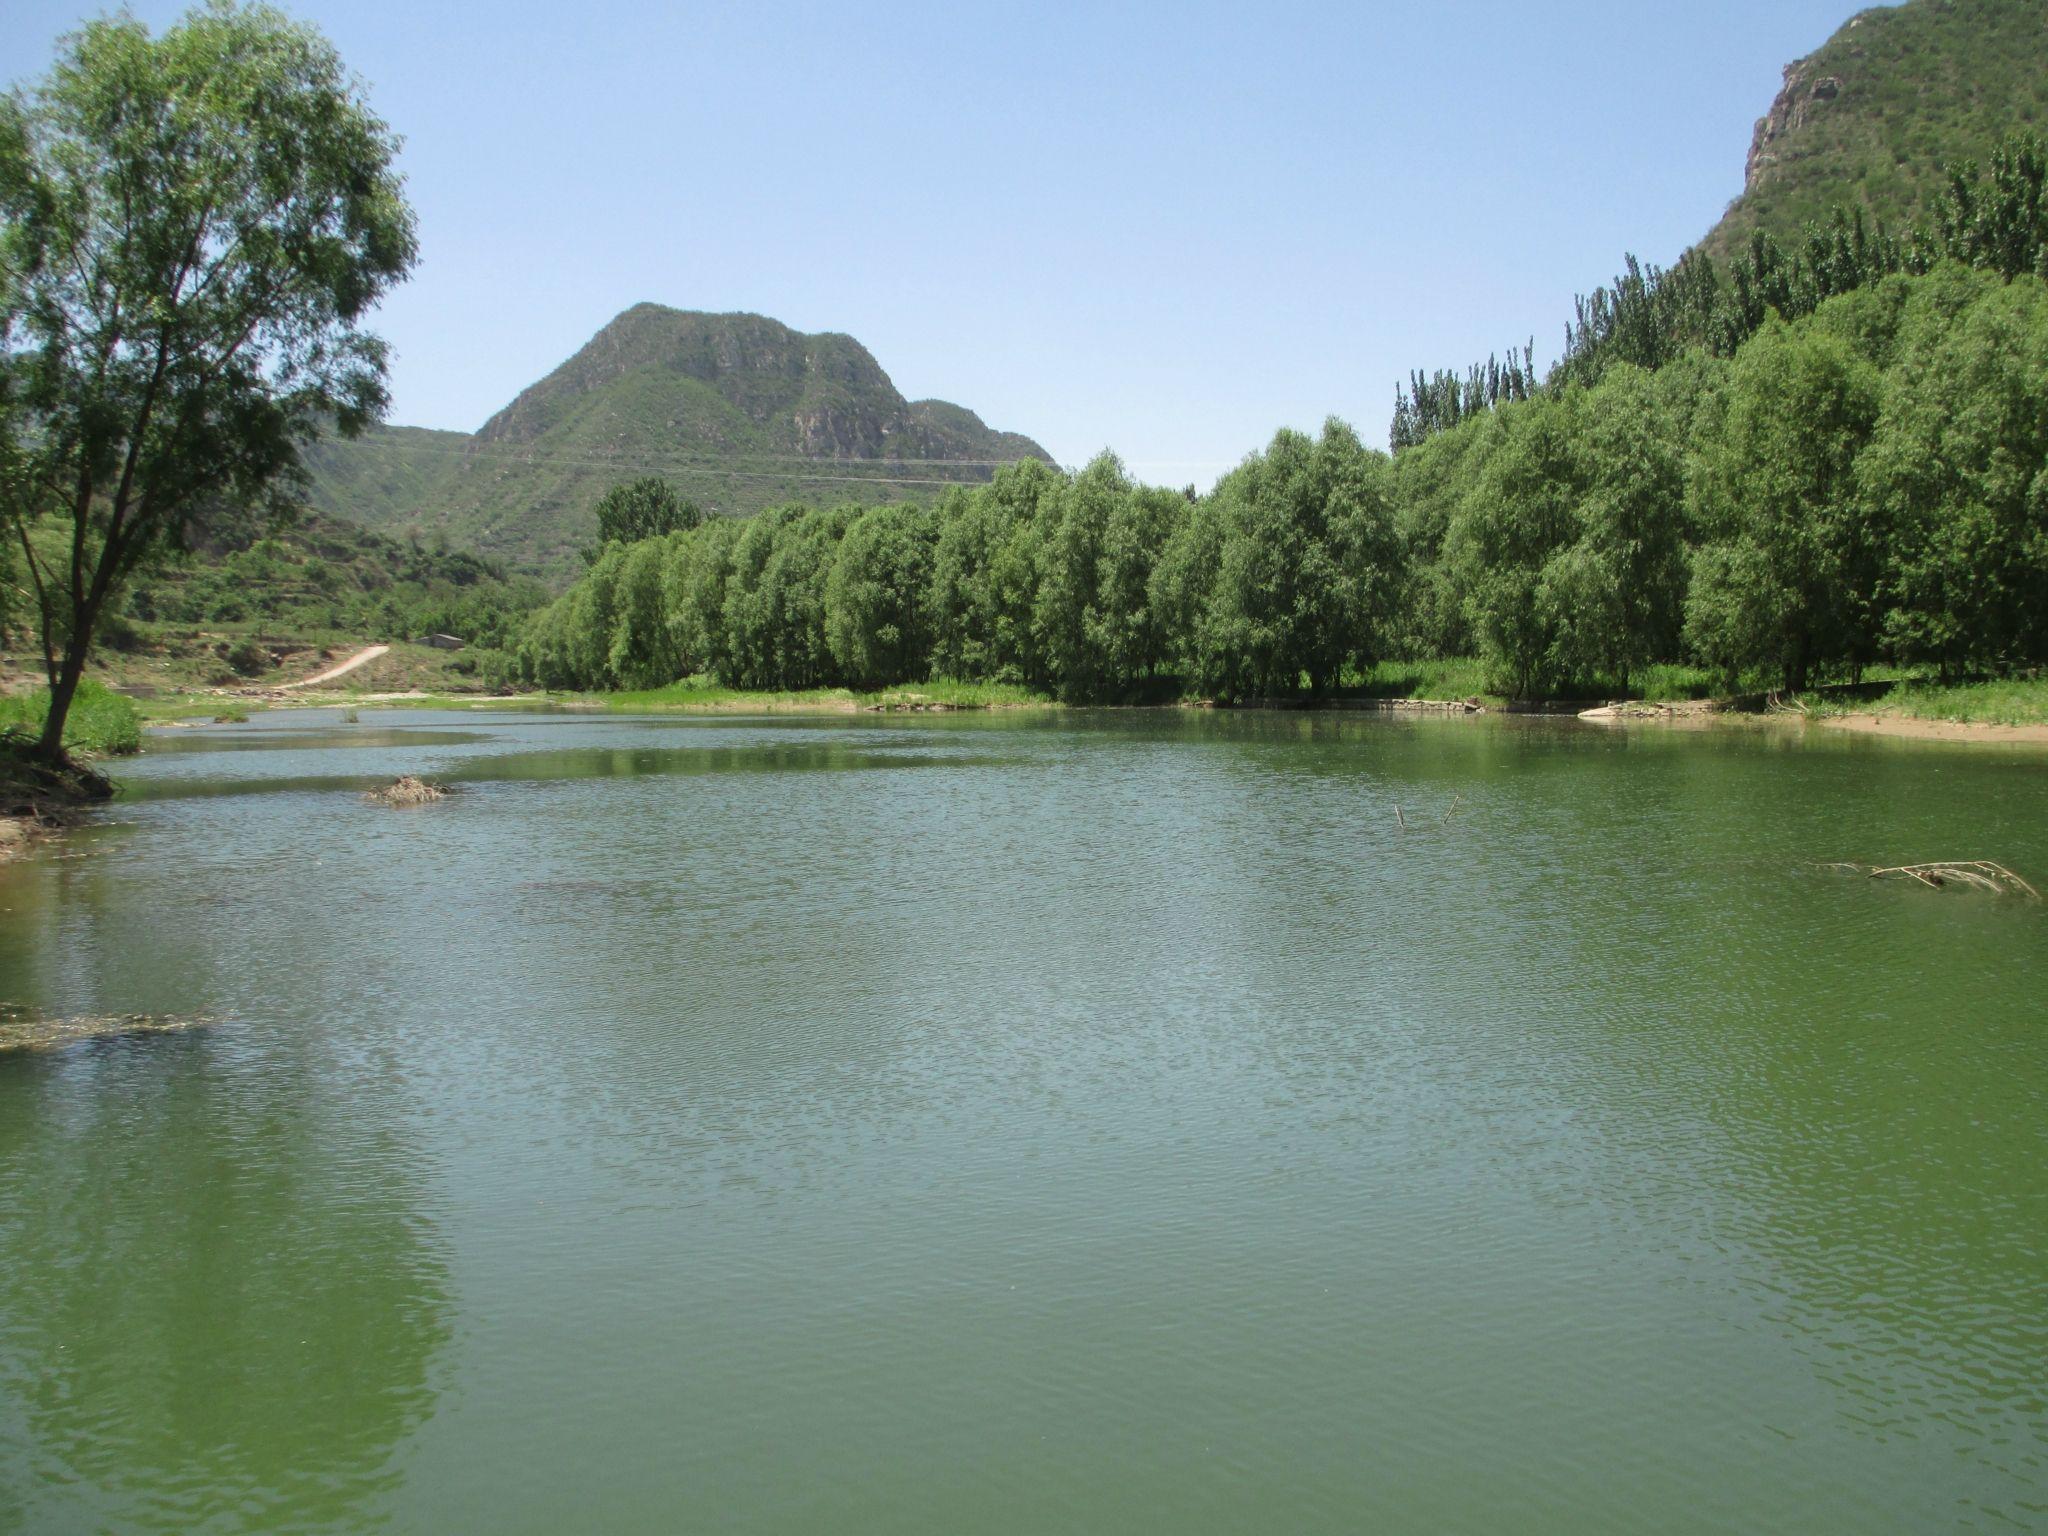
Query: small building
x=442, y=642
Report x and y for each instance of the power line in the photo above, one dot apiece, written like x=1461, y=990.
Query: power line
x=675, y=461
x=704, y=467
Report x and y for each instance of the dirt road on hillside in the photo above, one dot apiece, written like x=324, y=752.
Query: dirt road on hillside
x=367, y=653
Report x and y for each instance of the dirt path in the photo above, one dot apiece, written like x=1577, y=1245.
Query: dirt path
x=367, y=653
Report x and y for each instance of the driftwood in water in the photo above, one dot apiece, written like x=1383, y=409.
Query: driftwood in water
x=1977, y=874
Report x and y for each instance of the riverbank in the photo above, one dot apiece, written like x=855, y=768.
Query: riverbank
x=1988, y=712
x=1916, y=728
x=690, y=697
x=37, y=799
x=1999, y=710
x=1904, y=706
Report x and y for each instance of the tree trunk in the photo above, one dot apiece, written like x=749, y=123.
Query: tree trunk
x=62, y=692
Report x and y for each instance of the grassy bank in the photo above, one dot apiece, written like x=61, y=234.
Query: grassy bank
x=101, y=721
x=2002, y=701
x=34, y=795
x=693, y=695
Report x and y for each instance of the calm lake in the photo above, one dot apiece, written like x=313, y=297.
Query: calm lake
x=1042, y=1122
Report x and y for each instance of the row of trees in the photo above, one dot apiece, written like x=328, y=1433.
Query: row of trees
x=1088, y=585
x=1868, y=481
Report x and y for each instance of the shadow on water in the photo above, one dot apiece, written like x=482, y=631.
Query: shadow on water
x=568, y=764
x=349, y=739
x=223, y=1298
x=635, y=762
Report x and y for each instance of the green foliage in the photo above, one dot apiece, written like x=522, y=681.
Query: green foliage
x=100, y=720
x=1435, y=401
x=1999, y=223
x=1062, y=584
x=1568, y=543
x=642, y=651
x=1521, y=512
x=695, y=573
x=985, y=575
x=1435, y=677
x=775, y=599
x=1649, y=317
x=318, y=574
x=1431, y=479
x=647, y=508
x=1611, y=597
x=878, y=596
x=1957, y=474
x=1287, y=573
x=247, y=658
x=1864, y=482
x=2001, y=701
x=1788, y=574
x=195, y=226
x=1097, y=634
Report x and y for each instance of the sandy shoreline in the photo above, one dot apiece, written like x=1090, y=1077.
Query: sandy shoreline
x=1912, y=728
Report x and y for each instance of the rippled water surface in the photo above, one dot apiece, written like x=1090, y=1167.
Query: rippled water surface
x=1029, y=1123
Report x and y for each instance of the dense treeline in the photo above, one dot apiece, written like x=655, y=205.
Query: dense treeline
x=1867, y=482
x=1819, y=460
x=1089, y=586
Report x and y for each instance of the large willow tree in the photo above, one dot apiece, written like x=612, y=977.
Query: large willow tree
x=193, y=228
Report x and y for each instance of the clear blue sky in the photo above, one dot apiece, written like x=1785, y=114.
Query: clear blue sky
x=1162, y=229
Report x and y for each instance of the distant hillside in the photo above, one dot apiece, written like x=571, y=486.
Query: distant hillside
x=1873, y=115
x=739, y=411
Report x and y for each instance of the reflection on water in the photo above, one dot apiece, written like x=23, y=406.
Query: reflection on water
x=1147, y=1120
x=223, y=1297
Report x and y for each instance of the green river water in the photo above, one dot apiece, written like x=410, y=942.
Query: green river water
x=1044, y=1122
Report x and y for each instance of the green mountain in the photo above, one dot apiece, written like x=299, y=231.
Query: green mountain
x=738, y=411
x=1874, y=114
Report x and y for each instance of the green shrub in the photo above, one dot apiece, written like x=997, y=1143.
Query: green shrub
x=248, y=658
